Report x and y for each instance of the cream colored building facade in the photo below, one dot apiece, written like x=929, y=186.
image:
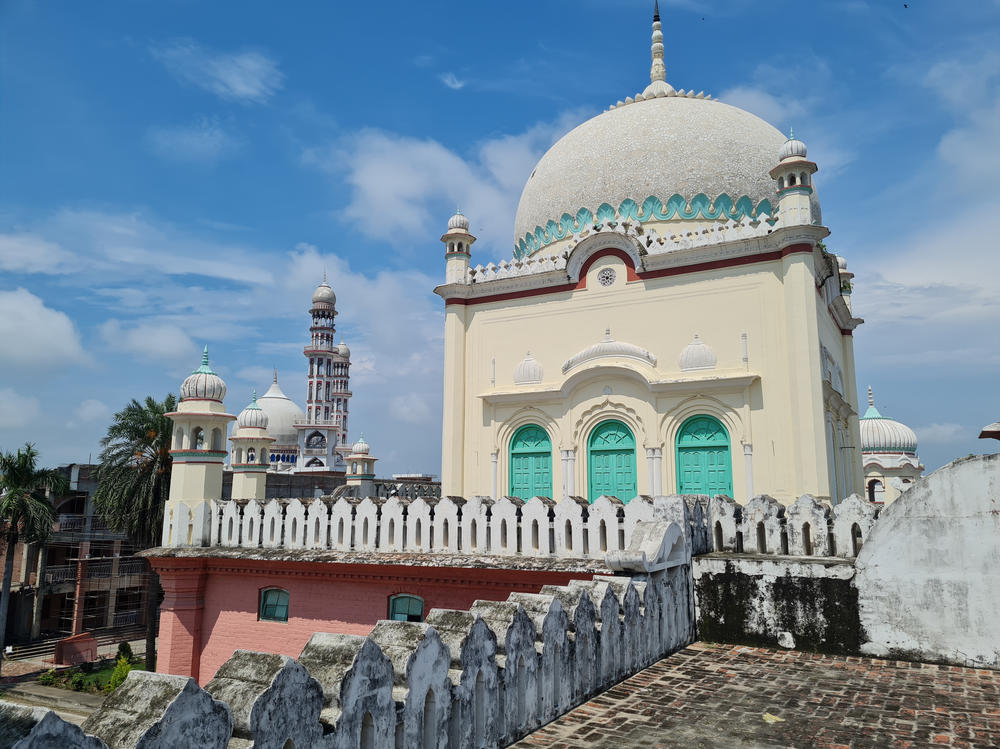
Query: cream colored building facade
x=670, y=320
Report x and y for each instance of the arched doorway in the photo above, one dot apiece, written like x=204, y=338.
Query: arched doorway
x=704, y=464
x=530, y=463
x=611, y=461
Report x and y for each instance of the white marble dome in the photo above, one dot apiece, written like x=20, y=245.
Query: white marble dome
x=324, y=294
x=458, y=222
x=253, y=416
x=697, y=355
x=343, y=350
x=658, y=147
x=203, y=383
x=792, y=148
x=528, y=371
x=282, y=414
x=360, y=447
x=880, y=434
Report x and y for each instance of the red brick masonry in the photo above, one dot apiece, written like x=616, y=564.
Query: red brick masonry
x=712, y=695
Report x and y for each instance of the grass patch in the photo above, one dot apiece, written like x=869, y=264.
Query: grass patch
x=88, y=677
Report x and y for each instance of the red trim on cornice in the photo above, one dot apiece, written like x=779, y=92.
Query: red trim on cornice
x=638, y=276
x=621, y=254
x=847, y=332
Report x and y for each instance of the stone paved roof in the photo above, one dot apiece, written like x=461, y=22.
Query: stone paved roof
x=710, y=695
x=413, y=559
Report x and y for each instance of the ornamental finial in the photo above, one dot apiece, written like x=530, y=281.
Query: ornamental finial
x=658, y=71
x=871, y=398
x=275, y=380
x=791, y=133
x=204, y=355
x=253, y=396
x=204, y=368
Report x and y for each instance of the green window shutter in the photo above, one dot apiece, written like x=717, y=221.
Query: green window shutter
x=611, y=461
x=406, y=608
x=273, y=605
x=704, y=462
x=530, y=463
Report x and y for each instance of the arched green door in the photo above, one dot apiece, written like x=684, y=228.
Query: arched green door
x=704, y=465
x=530, y=463
x=611, y=461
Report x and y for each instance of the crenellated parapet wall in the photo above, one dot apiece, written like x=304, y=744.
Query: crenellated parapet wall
x=538, y=527
x=478, y=678
x=806, y=528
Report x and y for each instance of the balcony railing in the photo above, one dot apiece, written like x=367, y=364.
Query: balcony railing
x=81, y=525
x=126, y=618
x=60, y=574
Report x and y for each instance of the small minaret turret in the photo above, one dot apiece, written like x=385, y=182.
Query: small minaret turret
x=361, y=468
x=658, y=85
x=458, y=246
x=794, y=177
x=250, y=456
x=198, y=450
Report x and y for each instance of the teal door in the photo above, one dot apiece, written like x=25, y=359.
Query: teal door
x=530, y=463
x=704, y=465
x=611, y=461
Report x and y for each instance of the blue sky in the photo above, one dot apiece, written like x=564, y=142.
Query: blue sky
x=181, y=173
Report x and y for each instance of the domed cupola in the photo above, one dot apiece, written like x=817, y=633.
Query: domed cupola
x=528, y=372
x=343, y=350
x=458, y=222
x=203, y=383
x=324, y=294
x=253, y=416
x=793, y=148
x=697, y=355
x=360, y=447
x=880, y=434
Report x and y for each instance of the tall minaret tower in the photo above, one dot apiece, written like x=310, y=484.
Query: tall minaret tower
x=328, y=388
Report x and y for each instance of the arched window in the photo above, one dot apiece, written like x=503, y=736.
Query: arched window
x=704, y=465
x=530, y=463
x=251, y=455
x=611, y=461
x=198, y=438
x=406, y=608
x=273, y=605
x=876, y=491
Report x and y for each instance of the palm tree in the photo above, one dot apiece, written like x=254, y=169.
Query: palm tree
x=25, y=512
x=133, y=481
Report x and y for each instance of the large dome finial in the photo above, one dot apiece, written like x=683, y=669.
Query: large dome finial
x=658, y=71
x=658, y=85
x=871, y=396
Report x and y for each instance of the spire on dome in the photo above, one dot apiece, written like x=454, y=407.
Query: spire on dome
x=658, y=85
x=658, y=71
x=204, y=368
x=871, y=396
x=275, y=380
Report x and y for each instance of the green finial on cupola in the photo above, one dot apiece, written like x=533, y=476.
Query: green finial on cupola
x=253, y=399
x=791, y=133
x=872, y=412
x=204, y=368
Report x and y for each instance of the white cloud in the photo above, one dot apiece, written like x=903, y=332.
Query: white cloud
x=246, y=77
x=16, y=410
x=765, y=105
x=150, y=339
x=27, y=253
x=942, y=434
x=36, y=336
x=410, y=408
x=424, y=181
x=450, y=80
x=204, y=142
x=88, y=412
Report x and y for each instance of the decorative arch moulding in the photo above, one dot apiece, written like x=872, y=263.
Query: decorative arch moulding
x=652, y=209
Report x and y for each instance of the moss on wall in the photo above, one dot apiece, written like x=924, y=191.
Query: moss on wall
x=821, y=613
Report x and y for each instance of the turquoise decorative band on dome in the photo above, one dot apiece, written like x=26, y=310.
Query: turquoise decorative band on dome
x=652, y=209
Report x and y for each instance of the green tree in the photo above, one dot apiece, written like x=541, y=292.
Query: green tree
x=133, y=482
x=25, y=512
x=121, y=672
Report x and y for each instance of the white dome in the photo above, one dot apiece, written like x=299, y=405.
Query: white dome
x=282, y=414
x=253, y=416
x=528, y=372
x=609, y=348
x=793, y=147
x=324, y=294
x=880, y=434
x=343, y=350
x=697, y=355
x=360, y=447
x=458, y=222
x=203, y=383
x=655, y=147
